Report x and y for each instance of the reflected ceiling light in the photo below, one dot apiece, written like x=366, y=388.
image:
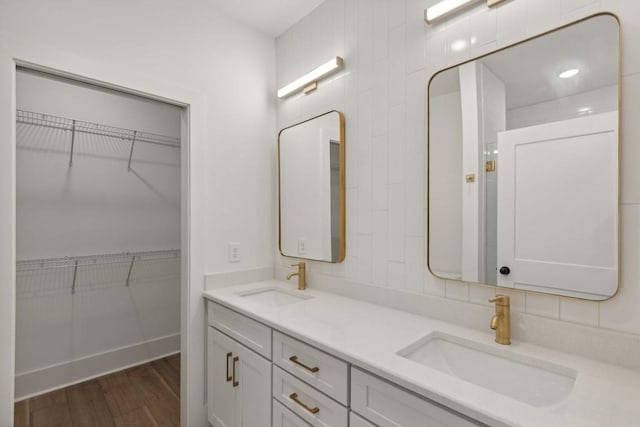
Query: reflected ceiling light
x=458, y=45
x=585, y=110
x=449, y=6
x=310, y=80
x=568, y=73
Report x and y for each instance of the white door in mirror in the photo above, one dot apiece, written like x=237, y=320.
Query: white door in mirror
x=558, y=207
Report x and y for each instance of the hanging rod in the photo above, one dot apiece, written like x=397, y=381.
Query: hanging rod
x=79, y=126
x=95, y=260
x=50, y=276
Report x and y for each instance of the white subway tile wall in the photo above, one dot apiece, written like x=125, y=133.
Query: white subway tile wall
x=390, y=54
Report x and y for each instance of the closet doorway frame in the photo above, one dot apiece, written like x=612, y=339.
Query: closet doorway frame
x=192, y=327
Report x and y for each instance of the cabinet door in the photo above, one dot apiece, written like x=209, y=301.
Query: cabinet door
x=253, y=376
x=222, y=398
x=356, y=420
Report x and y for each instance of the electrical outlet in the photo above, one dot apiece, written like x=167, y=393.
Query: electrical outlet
x=302, y=246
x=234, y=252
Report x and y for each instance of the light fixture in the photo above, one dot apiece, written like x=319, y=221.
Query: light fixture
x=309, y=81
x=585, y=110
x=443, y=8
x=568, y=73
x=449, y=6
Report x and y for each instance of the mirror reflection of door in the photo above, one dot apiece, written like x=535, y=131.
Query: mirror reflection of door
x=557, y=206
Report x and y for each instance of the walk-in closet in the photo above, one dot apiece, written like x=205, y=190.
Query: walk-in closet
x=98, y=238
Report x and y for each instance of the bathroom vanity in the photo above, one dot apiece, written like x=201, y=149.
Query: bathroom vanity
x=282, y=357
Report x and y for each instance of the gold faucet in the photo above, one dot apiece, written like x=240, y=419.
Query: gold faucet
x=302, y=276
x=501, y=321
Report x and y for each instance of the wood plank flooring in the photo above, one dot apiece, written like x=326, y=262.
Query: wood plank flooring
x=141, y=396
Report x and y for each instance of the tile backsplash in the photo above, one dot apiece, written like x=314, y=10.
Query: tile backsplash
x=390, y=53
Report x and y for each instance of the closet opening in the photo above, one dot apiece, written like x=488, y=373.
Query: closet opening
x=98, y=254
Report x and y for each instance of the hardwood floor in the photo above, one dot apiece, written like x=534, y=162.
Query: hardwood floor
x=145, y=395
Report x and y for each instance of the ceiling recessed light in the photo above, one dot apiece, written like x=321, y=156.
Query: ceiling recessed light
x=585, y=110
x=568, y=73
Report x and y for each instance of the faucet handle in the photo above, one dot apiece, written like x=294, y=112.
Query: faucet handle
x=300, y=264
x=500, y=299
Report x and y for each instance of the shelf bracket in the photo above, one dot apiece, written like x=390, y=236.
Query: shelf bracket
x=75, y=275
x=133, y=260
x=73, y=138
x=133, y=143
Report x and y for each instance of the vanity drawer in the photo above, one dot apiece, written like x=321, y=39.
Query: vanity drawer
x=356, y=420
x=283, y=417
x=322, y=371
x=247, y=331
x=388, y=405
x=307, y=402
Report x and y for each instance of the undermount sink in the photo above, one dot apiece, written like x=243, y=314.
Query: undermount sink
x=532, y=381
x=273, y=297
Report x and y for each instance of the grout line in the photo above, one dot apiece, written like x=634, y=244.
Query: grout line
x=153, y=420
x=66, y=396
x=164, y=382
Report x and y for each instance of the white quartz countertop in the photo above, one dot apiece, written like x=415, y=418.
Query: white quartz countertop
x=369, y=336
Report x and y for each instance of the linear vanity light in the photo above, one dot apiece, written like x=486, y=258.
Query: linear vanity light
x=446, y=7
x=309, y=81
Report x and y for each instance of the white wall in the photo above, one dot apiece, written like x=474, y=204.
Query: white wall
x=603, y=100
x=183, y=51
x=390, y=53
x=446, y=185
x=493, y=121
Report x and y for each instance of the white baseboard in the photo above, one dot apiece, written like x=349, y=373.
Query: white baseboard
x=28, y=384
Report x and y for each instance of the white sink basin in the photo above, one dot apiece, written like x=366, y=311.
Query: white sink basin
x=274, y=297
x=533, y=381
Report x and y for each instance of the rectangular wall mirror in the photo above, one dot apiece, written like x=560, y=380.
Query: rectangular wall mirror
x=523, y=164
x=312, y=188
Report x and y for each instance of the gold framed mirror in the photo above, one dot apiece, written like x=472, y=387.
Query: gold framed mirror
x=311, y=189
x=523, y=166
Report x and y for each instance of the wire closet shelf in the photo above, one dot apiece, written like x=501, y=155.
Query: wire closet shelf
x=72, y=274
x=78, y=126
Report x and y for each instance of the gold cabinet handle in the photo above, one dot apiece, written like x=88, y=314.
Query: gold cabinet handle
x=235, y=360
x=294, y=397
x=294, y=359
x=228, y=356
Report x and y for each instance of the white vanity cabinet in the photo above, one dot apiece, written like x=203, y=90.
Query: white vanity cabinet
x=322, y=371
x=388, y=405
x=311, y=383
x=314, y=407
x=238, y=379
x=303, y=386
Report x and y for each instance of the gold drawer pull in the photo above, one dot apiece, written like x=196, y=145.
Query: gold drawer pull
x=228, y=356
x=235, y=383
x=294, y=359
x=294, y=397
